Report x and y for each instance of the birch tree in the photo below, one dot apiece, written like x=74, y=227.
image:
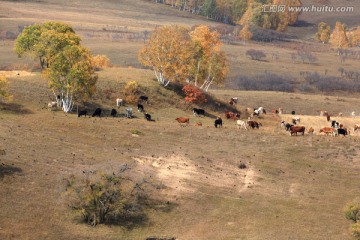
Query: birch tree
x=72, y=75
x=206, y=51
x=168, y=53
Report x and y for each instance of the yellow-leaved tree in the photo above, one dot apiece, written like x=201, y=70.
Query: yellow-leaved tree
x=245, y=33
x=338, y=37
x=168, y=53
x=208, y=61
x=323, y=34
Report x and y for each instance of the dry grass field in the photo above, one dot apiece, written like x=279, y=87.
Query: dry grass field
x=292, y=187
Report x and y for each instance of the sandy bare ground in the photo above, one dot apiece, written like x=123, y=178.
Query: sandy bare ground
x=185, y=177
x=16, y=73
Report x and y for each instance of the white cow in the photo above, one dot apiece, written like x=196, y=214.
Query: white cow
x=241, y=124
x=129, y=112
x=52, y=106
x=119, y=102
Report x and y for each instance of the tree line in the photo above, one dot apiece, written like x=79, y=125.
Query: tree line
x=258, y=12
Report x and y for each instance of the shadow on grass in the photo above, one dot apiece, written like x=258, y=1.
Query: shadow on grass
x=212, y=103
x=14, y=108
x=134, y=216
x=8, y=170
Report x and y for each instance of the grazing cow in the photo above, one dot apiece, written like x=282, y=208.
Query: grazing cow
x=233, y=101
x=340, y=114
x=292, y=112
x=182, y=120
x=197, y=112
x=296, y=120
x=119, y=102
x=129, y=112
x=334, y=124
x=241, y=124
x=287, y=126
x=143, y=98
x=275, y=111
x=311, y=131
x=97, y=112
x=254, y=124
x=281, y=111
x=356, y=127
x=294, y=130
x=232, y=115
x=327, y=130
x=218, y=122
x=148, y=117
x=342, y=131
x=52, y=106
x=113, y=113
x=328, y=117
x=140, y=107
x=353, y=114
x=82, y=113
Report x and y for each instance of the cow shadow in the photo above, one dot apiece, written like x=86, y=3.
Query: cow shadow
x=14, y=108
x=8, y=170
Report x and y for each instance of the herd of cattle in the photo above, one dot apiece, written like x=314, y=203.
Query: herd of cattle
x=335, y=128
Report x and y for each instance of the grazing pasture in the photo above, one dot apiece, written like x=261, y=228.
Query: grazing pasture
x=284, y=191
x=290, y=187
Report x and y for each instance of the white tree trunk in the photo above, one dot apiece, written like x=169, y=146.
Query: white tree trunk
x=68, y=103
x=161, y=79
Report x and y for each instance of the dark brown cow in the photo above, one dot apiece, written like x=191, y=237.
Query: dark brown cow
x=254, y=124
x=183, y=120
x=294, y=130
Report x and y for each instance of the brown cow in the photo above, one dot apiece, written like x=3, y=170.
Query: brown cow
x=356, y=127
x=254, y=124
x=199, y=124
x=327, y=130
x=297, y=129
x=311, y=131
x=233, y=116
x=183, y=120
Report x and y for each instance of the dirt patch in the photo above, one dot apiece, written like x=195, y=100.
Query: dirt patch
x=184, y=177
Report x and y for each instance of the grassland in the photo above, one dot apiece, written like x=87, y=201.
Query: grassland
x=292, y=188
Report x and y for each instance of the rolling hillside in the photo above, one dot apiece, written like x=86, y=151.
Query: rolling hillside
x=291, y=187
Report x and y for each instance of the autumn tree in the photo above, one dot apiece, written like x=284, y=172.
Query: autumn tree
x=167, y=53
x=245, y=33
x=323, y=34
x=206, y=48
x=338, y=38
x=4, y=90
x=44, y=41
x=72, y=75
x=352, y=212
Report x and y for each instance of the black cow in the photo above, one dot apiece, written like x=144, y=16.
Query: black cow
x=293, y=112
x=148, y=117
x=342, y=131
x=143, y=98
x=218, y=122
x=82, y=113
x=335, y=124
x=140, y=107
x=197, y=112
x=97, y=112
x=288, y=126
x=113, y=112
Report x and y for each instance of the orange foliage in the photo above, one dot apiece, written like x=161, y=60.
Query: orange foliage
x=193, y=94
